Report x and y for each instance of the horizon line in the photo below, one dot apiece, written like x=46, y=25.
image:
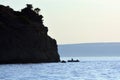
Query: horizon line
x=89, y=43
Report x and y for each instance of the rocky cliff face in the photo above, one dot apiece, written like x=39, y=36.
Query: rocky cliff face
x=23, y=37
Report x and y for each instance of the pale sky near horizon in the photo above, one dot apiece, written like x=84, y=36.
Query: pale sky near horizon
x=77, y=21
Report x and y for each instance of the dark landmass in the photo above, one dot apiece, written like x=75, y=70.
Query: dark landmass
x=23, y=37
x=90, y=50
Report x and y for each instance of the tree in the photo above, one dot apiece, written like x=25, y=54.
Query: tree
x=29, y=6
x=37, y=10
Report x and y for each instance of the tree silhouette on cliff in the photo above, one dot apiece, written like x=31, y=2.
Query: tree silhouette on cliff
x=37, y=10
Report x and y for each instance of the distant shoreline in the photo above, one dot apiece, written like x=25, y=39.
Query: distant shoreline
x=93, y=58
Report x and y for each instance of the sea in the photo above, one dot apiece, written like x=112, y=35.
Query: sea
x=89, y=68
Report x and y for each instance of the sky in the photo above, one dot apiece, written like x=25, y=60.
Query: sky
x=77, y=21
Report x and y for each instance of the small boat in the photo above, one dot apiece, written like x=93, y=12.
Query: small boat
x=73, y=60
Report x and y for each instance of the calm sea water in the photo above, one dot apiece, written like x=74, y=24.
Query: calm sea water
x=86, y=69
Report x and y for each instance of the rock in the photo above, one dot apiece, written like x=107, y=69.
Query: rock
x=24, y=38
x=63, y=61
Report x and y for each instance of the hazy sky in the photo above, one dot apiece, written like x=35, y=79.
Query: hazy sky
x=77, y=21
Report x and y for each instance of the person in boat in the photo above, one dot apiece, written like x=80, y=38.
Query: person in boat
x=72, y=60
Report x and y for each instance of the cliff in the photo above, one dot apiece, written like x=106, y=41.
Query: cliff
x=24, y=38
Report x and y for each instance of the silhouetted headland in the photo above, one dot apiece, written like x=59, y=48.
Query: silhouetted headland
x=24, y=38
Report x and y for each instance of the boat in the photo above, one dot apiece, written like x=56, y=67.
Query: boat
x=73, y=60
